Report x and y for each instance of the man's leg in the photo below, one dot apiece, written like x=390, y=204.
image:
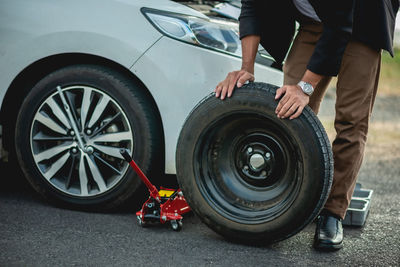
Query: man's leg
x=328, y=234
x=356, y=90
x=357, y=85
x=355, y=94
x=297, y=60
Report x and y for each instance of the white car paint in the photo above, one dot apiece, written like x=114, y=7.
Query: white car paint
x=177, y=74
x=44, y=28
x=190, y=73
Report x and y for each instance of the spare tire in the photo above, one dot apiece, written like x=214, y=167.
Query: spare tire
x=248, y=175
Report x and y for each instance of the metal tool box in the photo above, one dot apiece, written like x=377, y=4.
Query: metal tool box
x=358, y=210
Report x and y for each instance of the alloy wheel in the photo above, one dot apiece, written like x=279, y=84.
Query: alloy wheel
x=93, y=166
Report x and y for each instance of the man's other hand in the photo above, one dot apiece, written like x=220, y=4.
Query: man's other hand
x=238, y=78
x=292, y=103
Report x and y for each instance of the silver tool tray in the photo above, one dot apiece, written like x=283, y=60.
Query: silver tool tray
x=358, y=210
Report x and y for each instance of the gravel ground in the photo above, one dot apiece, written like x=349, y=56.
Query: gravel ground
x=34, y=233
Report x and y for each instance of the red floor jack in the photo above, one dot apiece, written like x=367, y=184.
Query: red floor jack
x=166, y=207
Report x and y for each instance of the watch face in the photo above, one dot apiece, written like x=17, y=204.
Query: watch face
x=308, y=88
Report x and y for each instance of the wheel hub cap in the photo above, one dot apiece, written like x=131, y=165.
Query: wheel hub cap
x=256, y=161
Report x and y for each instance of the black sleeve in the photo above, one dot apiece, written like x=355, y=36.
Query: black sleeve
x=337, y=18
x=249, y=24
x=273, y=21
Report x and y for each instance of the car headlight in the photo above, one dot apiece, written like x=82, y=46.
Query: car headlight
x=208, y=33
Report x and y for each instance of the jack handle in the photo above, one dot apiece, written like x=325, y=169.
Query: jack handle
x=153, y=190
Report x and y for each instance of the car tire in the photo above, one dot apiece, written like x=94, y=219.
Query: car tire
x=248, y=175
x=111, y=112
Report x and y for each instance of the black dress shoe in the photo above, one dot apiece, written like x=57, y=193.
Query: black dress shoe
x=329, y=233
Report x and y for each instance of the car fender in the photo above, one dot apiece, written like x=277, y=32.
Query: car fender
x=33, y=30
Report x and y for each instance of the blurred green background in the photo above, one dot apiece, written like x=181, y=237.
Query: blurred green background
x=390, y=74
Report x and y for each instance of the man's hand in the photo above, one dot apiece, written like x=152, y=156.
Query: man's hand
x=250, y=45
x=292, y=103
x=238, y=78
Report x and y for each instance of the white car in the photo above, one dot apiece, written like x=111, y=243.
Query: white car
x=129, y=73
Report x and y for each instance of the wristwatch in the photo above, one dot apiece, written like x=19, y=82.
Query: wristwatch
x=306, y=87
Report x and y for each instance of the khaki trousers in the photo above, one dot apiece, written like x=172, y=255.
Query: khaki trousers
x=356, y=88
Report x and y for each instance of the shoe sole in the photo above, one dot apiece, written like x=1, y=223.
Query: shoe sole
x=328, y=247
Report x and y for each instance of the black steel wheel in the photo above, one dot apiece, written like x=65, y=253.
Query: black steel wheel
x=247, y=174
